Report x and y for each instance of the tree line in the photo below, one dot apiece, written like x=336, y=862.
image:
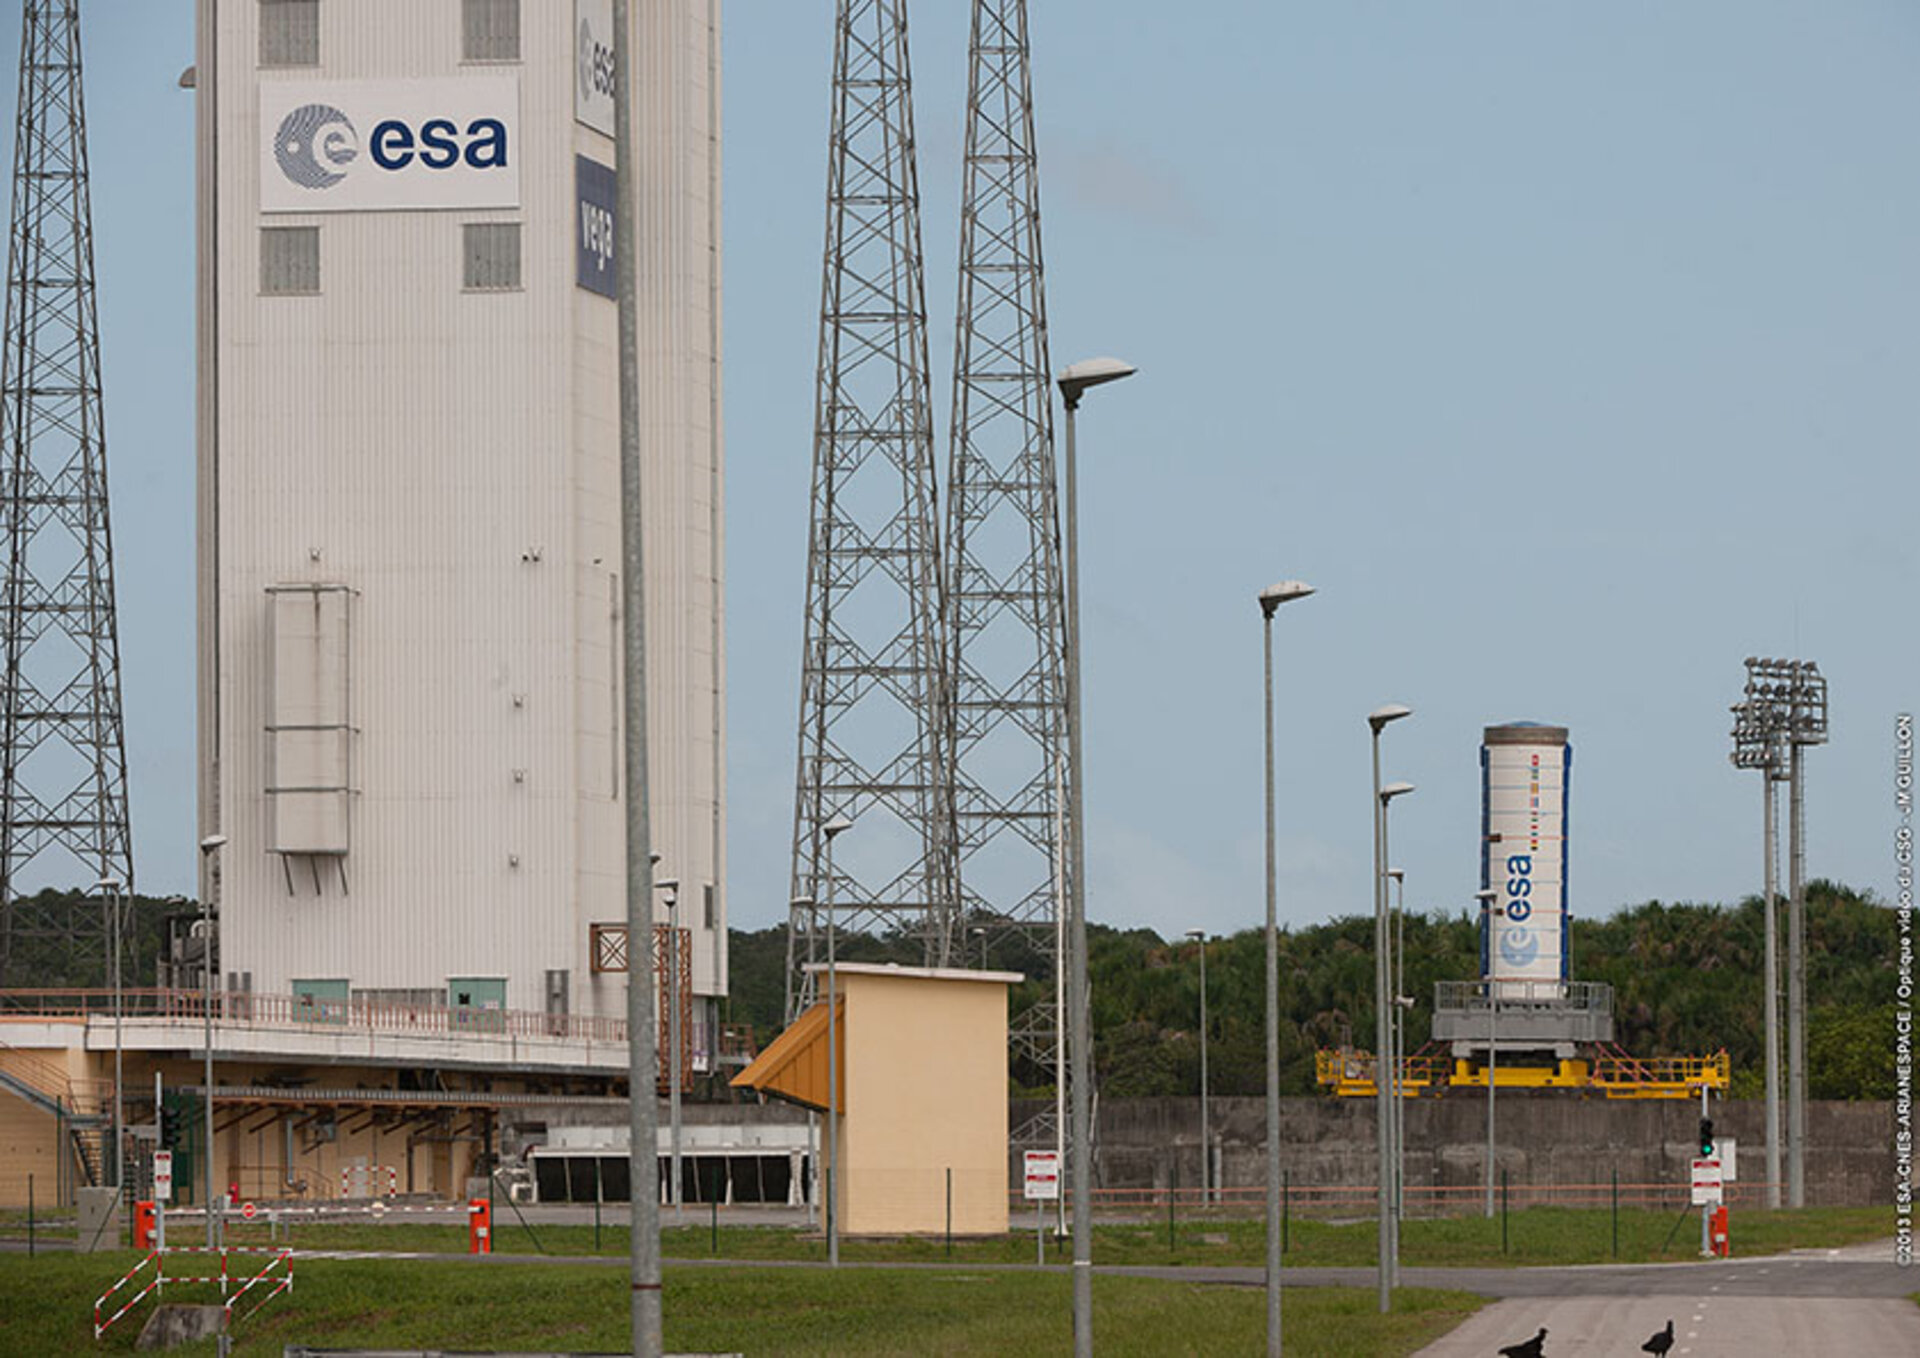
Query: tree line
x=1685, y=978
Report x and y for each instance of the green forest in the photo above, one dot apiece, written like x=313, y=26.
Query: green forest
x=1685, y=982
x=1685, y=978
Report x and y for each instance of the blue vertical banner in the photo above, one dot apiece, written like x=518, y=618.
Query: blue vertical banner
x=594, y=199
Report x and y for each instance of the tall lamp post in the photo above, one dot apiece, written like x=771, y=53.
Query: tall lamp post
x=1206, y=1141
x=1392, y=1105
x=810, y=1182
x=1270, y=600
x=671, y=885
x=209, y=858
x=1402, y=1002
x=1378, y=720
x=1073, y=384
x=1486, y=899
x=109, y=888
x=833, y=829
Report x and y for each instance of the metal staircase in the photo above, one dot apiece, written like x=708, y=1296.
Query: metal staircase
x=81, y=1107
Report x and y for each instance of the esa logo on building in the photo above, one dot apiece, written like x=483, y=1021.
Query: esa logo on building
x=353, y=146
x=315, y=146
x=594, y=65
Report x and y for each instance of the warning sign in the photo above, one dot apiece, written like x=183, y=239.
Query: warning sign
x=163, y=1176
x=1708, y=1183
x=1043, y=1176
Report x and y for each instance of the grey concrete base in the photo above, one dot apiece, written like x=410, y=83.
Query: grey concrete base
x=174, y=1323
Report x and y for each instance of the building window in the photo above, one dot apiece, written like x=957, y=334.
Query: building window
x=289, y=32
x=491, y=256
x=490, y=30
x=320, y=1001
x=290, y=261
x=709, y=905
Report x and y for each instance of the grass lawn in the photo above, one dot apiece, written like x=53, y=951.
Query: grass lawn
x=1539, y=1235
x=419, y=1303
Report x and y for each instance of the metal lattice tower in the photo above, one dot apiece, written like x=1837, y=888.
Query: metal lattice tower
x=873, y=731
x=1005, y=597
x=63, y=794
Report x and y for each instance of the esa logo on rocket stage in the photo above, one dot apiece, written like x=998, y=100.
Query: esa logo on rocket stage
x=1519, y=944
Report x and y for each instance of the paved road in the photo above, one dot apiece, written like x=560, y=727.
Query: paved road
x=1858, y=1273
x=1703, y=1326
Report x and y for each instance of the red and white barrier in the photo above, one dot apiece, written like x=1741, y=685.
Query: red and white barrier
x=275, y=1282
x=367, y=1179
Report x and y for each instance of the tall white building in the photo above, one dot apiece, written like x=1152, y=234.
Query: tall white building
x=409, y=515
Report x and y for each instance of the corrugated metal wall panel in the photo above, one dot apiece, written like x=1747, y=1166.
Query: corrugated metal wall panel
x=451, y=456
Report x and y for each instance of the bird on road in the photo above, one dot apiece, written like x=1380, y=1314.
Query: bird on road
x=1532, y=1348
x=1660, y=1343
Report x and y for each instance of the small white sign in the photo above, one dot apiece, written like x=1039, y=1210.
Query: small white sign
x=1707, y=1183
x=163, y=1176
x=1043, y=1176
x=593, y=64
x=1723, y=1151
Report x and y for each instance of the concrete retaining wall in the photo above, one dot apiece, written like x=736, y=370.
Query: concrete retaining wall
x=1539, y=1139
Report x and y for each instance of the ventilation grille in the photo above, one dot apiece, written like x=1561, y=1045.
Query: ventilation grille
x=290, y=32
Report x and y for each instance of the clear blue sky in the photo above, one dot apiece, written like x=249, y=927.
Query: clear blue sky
x=1569, y=350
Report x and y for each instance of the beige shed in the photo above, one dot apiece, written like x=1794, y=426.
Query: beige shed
x=922, y=1097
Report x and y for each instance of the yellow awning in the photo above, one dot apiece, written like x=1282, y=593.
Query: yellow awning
x=794, y=1065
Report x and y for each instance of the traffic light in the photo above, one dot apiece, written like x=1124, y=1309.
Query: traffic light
x=1706, y=1138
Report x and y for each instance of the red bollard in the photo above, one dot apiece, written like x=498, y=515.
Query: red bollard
x=143, y=1226
x=479, y=1227
x=1722, y=1246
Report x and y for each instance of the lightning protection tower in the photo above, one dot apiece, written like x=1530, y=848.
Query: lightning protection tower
x=873, y=732
x=63, y=794
x=1004, y=586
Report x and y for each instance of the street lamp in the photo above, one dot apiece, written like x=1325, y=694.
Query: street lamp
x=833, y=829
x=1402, y=1002
x=1270, y=600
x=1486, y=899
x=810, y=1185
x=1387, y=794
x=209, y=848
x=1377, y=721
x=981, y=934
x=1206, y=1142
x=109, y=888
x=671, y=885
x=1074, y=382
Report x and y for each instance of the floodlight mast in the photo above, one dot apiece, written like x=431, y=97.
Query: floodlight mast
x=1756, y=745
x=1788, y=698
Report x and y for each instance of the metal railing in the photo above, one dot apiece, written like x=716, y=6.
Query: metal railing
x=250, y=1009
x=82, y=1097
x=1583, y=996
